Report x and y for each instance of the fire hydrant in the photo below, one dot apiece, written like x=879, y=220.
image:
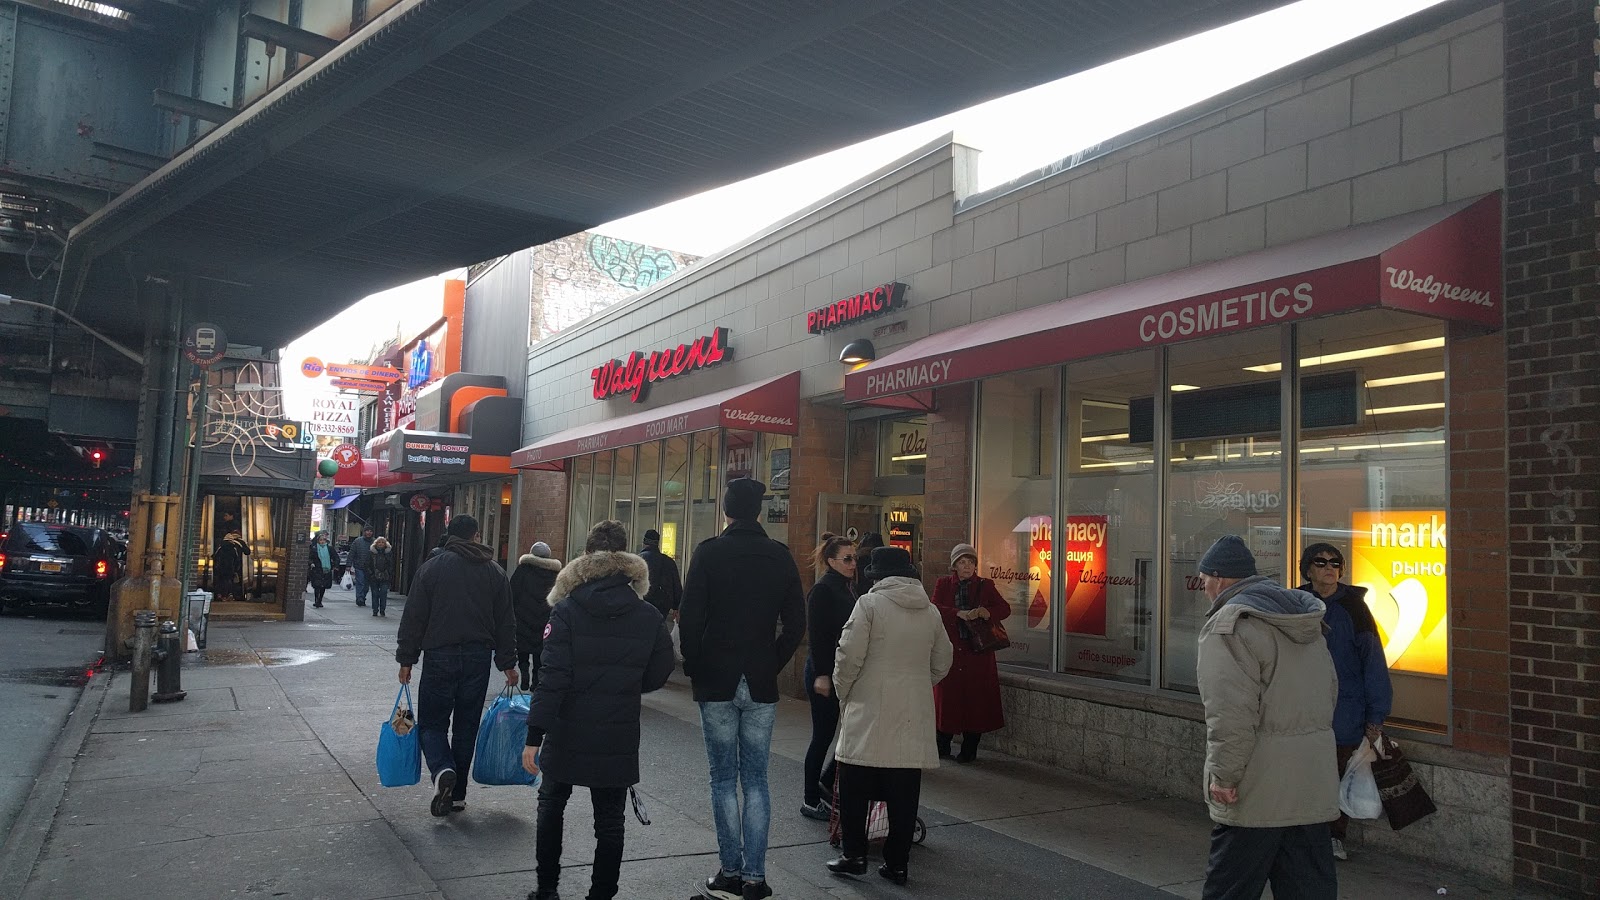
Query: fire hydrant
x=169, y=656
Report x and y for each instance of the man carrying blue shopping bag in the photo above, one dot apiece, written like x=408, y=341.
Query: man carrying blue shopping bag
x=458, y=614
x=603, y=648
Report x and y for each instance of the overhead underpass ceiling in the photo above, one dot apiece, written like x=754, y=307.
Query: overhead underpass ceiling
x=450, y=131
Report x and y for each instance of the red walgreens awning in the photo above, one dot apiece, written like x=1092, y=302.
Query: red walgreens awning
x=1442, y=262
x=772, y=406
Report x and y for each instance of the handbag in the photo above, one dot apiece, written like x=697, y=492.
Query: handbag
x=502, y=733
x=399, y=756
x=1404, y=800
x=988, y=635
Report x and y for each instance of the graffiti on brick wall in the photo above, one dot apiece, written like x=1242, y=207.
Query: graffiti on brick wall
x=631, y=265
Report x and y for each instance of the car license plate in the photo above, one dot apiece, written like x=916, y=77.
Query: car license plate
x=49, y=567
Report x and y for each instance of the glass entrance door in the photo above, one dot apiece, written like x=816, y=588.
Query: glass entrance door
x=851, y=515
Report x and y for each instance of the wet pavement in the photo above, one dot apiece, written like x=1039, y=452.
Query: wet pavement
x=261, y=784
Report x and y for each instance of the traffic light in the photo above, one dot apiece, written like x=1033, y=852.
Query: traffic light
x=96, y=457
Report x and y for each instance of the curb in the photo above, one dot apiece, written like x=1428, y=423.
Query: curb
x=26, y=840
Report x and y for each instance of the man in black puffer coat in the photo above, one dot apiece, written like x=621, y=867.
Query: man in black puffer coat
x=530, y=595
x=603, y=648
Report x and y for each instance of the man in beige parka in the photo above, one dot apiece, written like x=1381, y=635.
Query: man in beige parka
x=1269, y=687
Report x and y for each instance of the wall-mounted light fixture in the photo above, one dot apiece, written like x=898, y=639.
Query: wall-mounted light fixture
x=857, y=352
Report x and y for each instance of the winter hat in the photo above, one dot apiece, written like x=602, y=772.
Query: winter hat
x=741, y=499
x=888, y=562
x=539, y=549
x=1322, y=549
x=961, y=550
x=609, y=535
x=652, y=536
x=1228, y=558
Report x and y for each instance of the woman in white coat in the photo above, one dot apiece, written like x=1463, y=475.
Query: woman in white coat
x=894, y=649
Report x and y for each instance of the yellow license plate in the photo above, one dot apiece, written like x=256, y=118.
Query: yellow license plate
x=49, y=567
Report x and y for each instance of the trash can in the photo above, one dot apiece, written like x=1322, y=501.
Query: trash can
x=199, y=615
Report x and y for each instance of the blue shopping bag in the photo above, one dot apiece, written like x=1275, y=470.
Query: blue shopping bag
x=399, y=755
x=501, y=737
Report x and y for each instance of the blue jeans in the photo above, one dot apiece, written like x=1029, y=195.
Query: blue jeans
x=455, y=681
x=380, y=596
x=738, y=736
x=361, y=585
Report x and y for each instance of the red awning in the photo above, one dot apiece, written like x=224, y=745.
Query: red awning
x=772, y=406
x=1442, y=262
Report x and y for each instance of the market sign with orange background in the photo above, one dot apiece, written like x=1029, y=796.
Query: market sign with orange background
x=1399, y=557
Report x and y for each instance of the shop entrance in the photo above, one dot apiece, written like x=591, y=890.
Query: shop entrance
x=851, y=515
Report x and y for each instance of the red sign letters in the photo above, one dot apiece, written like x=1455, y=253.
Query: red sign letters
x=635, y=374
x=876, y=302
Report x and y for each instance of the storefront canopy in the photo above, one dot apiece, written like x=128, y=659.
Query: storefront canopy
x=1442, y=262
x=772, y=406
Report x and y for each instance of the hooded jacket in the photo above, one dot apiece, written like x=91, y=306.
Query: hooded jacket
x=603, y=648
x=460, y=596
x=741, y=585
x=1365, y=693
x=892, y=652
x=530, y=593
x=1268, y=686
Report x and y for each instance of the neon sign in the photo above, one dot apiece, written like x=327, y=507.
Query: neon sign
x=634, y=375
x=880, y=300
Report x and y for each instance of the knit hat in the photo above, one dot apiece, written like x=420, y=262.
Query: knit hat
x=961, y=550
x=539, y=549
x=1228, y=558
x=652, y=536
x=741, y=499
x=888, y=562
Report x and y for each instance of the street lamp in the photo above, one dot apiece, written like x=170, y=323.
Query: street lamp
x=7, y=300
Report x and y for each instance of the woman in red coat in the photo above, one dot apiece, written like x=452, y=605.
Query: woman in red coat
x=968, y=699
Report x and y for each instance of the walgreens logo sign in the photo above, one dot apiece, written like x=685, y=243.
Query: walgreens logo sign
x=634, y=375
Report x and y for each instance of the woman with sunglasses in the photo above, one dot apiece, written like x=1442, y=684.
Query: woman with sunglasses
x=828, y=607
x=1365, y=695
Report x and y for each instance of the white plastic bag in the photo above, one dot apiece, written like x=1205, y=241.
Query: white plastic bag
x=1358, y=791
x=349, y=581
x=677, y=648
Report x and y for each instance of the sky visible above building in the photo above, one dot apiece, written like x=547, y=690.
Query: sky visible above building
x=1017, y=134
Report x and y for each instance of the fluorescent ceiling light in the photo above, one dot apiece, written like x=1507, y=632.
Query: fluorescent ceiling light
x=1393, y=446
x=1349, y=355
x=1118, y=465
x=1405, y=379
x=909, y=457
x=1180, y=388
x=1413, y=407
x=1105, y=437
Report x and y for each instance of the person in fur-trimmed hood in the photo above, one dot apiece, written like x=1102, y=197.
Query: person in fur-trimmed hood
x=604, y=647
x=530, y=593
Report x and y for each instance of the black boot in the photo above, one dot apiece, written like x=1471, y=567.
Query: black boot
x=969, y=746
x=848, y=865
x=898, y=876
x=943, y=741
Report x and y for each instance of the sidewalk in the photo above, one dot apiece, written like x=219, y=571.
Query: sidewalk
x=261, y=784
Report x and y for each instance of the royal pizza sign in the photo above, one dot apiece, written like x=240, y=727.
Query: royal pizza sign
x=634, y=375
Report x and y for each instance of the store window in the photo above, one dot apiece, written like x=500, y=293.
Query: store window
x=674, y=487
x=1017, y=417
x=600, y=508
x=903, y=446
x=777, y=452
x=1224, y=473
x=582, y=493
x=705, y=512
x=1108, y=541
x=1374, y=485
x=647, y=491
x=622, y=484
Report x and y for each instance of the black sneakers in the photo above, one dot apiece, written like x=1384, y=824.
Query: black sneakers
x=820, y=812
x=443, y=785
x=723, y=887
x=756, y=890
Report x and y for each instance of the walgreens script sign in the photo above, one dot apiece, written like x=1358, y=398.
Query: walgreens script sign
x=635, y=374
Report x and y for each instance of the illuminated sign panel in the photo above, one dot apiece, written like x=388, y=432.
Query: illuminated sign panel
x=881, y=300
x=634, y=375
x=1399, y=556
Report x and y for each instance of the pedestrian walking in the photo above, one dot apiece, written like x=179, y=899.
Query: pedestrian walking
x=604, y=647
x=227, y=566
x=380, y=571
x=893, y=650
x=1365, y=693
x=1268, y=686
x=530, y=595
x=360, y=558
x=968, y=700
x=457, y=614
x=828, y=606
x=741, y=585
x=666, y=588
x=319, y=568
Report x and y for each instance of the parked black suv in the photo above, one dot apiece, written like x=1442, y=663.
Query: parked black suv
x=61, y=565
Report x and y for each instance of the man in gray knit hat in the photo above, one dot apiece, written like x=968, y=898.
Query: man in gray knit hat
x=1269, y=687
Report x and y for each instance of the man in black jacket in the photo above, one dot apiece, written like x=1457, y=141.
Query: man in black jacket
x=741, y=584
x=360, y=557
x=604, y=648
x=666, y=590
x=530, y=593
x=458, y=612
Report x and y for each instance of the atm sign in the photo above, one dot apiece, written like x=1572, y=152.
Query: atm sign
x=865, y=305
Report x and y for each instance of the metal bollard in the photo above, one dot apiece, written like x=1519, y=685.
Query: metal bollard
x=144, y=640
x=169, y=654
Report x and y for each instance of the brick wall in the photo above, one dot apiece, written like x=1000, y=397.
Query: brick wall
x=1479, y=635
x=948, y=501
x=1552, y=265
x=544, y=512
